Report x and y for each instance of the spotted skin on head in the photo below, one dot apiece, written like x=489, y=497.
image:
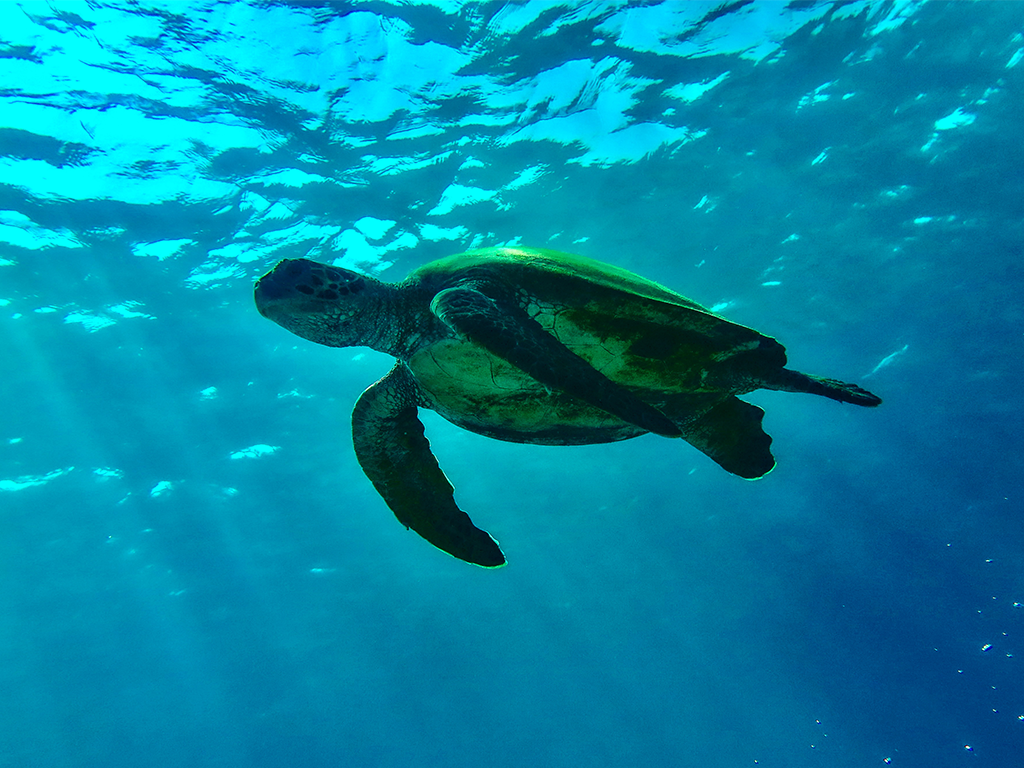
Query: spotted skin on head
x=322, y=281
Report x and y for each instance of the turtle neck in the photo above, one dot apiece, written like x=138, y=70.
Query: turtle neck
x=396, y=319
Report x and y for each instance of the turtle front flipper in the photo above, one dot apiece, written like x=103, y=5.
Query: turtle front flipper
x=504, y=329
x=395, y=455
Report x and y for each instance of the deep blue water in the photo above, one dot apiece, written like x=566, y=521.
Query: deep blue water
x=195, y=572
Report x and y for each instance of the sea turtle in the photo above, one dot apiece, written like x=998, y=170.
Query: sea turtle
x=532, y=346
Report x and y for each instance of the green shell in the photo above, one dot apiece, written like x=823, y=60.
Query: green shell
x=669, y=350
x=535, y=268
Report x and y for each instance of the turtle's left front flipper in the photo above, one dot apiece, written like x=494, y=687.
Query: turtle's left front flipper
x=500, y=326
x=396, y=456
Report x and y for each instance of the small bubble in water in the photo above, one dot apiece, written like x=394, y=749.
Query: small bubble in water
x=986, y=647
x=968, y=747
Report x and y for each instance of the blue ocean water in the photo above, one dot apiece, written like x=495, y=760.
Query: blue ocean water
x=195, y=572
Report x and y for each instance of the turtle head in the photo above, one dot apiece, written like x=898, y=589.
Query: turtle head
x=321, y=303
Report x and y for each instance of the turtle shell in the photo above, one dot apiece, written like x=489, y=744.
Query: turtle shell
x=672, y=352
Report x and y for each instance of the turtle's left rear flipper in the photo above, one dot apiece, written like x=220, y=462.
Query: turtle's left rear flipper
x=729, y=432
x=395, y=455
x=504, y=329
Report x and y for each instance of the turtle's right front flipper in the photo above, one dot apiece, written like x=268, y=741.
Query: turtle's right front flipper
x=395, y=455
x=504, y=329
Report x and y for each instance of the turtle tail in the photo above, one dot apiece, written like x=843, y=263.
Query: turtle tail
x=794, y=381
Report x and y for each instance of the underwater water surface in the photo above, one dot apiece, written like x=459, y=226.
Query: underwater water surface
x=195, y=572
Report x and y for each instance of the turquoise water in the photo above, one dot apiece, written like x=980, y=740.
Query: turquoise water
x=195, y=572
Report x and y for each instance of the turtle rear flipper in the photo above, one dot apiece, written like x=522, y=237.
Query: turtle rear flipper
x=844, y=392
x=729, y=432
x=395, y=455
x=504, y=329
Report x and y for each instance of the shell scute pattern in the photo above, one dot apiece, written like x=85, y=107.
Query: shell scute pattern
x=599, y=352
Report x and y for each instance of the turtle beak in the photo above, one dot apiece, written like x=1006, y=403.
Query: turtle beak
x=281, y=284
